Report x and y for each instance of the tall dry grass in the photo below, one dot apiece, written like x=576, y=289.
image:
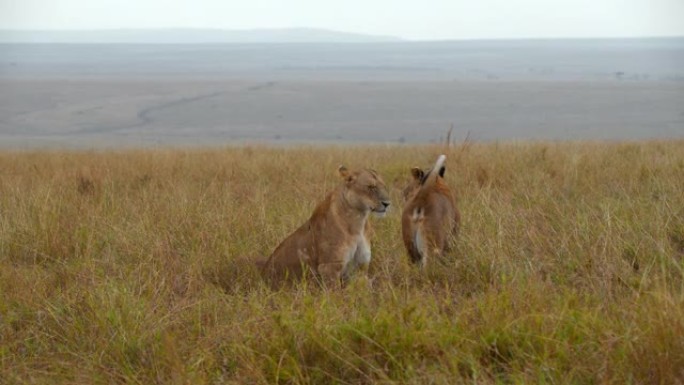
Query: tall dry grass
x=135, y=267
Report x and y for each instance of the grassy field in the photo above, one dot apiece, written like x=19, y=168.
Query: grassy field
x=135, y=266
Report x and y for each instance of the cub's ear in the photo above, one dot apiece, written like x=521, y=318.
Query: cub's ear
x=417, y=173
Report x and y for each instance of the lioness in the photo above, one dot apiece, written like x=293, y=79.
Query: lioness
x=430, y=217
x=335, y=239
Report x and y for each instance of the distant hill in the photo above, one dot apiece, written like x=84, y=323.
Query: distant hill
x=181, y=36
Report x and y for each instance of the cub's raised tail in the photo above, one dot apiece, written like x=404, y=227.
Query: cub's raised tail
x=437, y=170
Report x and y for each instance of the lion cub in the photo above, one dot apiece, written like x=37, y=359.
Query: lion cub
x=335, y=239
x=430, y=218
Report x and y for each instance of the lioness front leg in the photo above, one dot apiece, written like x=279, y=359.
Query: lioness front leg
x=331, y=274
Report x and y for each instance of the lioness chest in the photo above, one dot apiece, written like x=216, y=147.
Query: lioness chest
x=358, y=253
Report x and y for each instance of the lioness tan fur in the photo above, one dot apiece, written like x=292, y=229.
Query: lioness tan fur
x=430, y=218
x=335, y=240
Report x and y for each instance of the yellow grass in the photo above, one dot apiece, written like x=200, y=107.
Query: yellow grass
x=135, y=267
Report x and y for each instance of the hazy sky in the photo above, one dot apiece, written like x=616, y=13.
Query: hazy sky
x=421, y=19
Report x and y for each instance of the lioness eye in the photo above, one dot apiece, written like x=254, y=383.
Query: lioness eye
x=372, y=188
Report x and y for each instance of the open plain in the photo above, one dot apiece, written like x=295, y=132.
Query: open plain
x=95, y=96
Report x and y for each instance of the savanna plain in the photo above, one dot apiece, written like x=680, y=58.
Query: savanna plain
x=137, y=266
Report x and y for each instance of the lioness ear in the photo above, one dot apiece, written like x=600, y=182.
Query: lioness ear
x=441, y=171
x=417, y=173
x=344, y=172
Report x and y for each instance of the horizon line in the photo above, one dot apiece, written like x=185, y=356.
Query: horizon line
x=391, y=38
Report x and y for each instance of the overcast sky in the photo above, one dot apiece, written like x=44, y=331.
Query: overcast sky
x=420, y=20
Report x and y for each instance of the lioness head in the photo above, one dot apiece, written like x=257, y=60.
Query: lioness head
x=418, y=177
x=365, y=190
